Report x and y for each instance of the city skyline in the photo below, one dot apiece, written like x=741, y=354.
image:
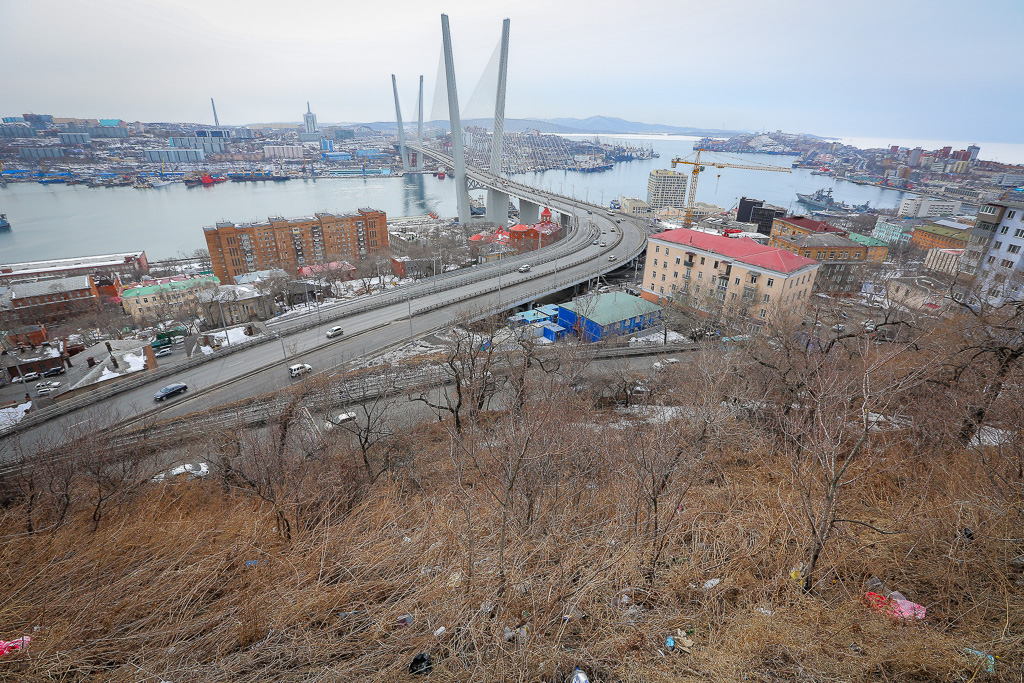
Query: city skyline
x=872, y=70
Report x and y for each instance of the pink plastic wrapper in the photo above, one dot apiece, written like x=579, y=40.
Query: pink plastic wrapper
x=895, y=607
x=16, y=644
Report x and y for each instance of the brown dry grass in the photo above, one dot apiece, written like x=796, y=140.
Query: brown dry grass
x=162, y=591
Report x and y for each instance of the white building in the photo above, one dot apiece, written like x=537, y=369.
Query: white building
x=927, y=207
x=666, y=188
x=944, y=260
x=636, y=207
x=309, y=118
x=283, y=151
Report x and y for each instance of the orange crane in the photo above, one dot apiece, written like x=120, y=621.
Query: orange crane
x=698, y=167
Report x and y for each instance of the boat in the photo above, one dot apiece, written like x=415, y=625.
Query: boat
x=439, y=173
x=821, y=199
x=250, y=176
x=160, y=183
x=142, y=184
x=204, y=179
x=4, y=223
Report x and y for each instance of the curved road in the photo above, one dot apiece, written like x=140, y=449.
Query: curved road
x=434, y=303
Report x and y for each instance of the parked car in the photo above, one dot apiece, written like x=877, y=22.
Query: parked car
x=54, y=371
x=17, y=379
x=166, y=351
x=171, y=390
x=299, y=369
x=525, y=268
x=44, y=388
x=31, y=376
x=335, y=331
x=338, y=420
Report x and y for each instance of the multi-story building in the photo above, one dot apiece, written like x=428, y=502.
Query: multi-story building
x=231, y=304
x=841, y=258
x=894, y=231
x=764, y=215
x=802, y=225
x=290, y=243
x=51, y=301
x=163, y=298
x=927, y=207
x=993, y=253
x=877, y=249
x=727, y=276
x=175, y=156
x=130, y=265
x=309, y=120
x=283, y=151
x=944, y=260
x=936, y=236
x=634, y=206
x=666, y=187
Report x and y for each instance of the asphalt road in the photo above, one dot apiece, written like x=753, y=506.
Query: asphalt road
x=263, y=368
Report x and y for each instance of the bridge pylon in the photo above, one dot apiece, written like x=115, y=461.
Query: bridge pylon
x=455, y=121
x=497, y=201
x=401, y=127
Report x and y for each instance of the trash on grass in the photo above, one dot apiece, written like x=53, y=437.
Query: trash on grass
x=421, y=664
x=404, y=620
x=897, y=608
x=440, y=632
x=518, y=634
x=16, y=644
x=579, y=676
x=573, y=615
x=711, y=583
x=987, y=660
x=681, y=640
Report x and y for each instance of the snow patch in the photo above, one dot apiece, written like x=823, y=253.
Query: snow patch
x=11, y=416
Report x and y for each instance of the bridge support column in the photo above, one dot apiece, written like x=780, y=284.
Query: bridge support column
x=401, y=127
x=455, y=120
x=529, y=213
x=564, y=219
x=419, y=131
x=497, y=207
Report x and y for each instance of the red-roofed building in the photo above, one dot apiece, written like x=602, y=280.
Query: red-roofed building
x=490, y=246
x=726, y=276
x=530, y=237
x=802, y=225
x=335, y=270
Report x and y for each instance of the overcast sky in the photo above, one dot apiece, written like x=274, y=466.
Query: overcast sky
x=927, y=69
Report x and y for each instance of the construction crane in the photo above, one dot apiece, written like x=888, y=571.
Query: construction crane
x=698, y=166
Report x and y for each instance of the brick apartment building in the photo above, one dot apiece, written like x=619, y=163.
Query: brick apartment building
x=934, y=236
x=802, y=225
x=291, y=243
x=723, y=276
x=842, y=260
x=49, y=301
x=125, y=266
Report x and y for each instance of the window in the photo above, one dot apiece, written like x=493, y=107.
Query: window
x=1013, y=249
x=663, y=277
x=1011, y=214
x=831, y=256
x=771, y=282
x=997, y=245
x=687, y=276
x=655, y=262
x=702, y=260
x=764, y=313
x=807, y=254
x=737, y=280
x=700, y=274
x=767, y=298
x=1005, y=229
x=1006, y=263
x=715, y=266
x=657, y=250
x=990, y=259
x=675, y=275
x=677, y=260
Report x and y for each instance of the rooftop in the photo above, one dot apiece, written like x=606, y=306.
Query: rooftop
x=605, y=309
x=43, y=287
x=944, y=231
x=819, y=240
x=867, y=241
x=167, y=285
x=809, y=224
x=104, y=260
x=741, y=249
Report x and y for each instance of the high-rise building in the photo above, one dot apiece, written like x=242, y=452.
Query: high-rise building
x=745, y=207
x=927, y=207
x=666, y=188
x=973, y=151
x=993, y=253
x=290, y=243
x=309, y=118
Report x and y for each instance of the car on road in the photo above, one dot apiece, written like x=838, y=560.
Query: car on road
x=166, y=351
x=54, y=371
x=335, y=331
x=596, y=242
x=338, y=419
x=171, y=390
x=31, y=376
x=590, y=213
x=300, y=369
x=17, y=379
x=604, y=244
x=617, y=220
x=44, y=388
x=525, y=268
x=612, y=257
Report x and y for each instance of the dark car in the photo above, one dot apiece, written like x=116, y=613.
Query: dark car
x=170, y=390
x=52, y=372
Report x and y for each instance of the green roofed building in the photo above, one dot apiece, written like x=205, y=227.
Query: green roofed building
x=877, y=249
x=600, y=316
x=163, y=298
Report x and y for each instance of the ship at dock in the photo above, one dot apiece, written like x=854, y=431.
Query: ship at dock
x=5, y=224
x=251, y=176
x=820, y=199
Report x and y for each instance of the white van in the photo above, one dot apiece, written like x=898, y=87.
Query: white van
x=299, y=369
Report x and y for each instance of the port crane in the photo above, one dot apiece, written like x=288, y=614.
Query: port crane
x=699, y=166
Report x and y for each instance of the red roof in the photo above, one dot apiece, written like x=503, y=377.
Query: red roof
x=811, y=224
x=740, y=249
x=546, y=212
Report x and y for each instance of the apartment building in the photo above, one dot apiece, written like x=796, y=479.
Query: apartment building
x=894, y=231
x=841, y=258
x=877, y=249
x=727, y=276
x=291, y=243
x=159, y=299
x=666, y=187
x=935, y=236
x=993, y=252
x=944, y=260
x=128, y=265
x=802, y=225
x=927, y=207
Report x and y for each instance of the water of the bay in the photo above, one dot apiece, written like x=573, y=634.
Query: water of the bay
x=53, y=221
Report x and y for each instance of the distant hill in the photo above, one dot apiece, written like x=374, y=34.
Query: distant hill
x=595, y=124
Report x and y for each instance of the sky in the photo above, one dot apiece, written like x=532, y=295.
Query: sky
x=924, y=69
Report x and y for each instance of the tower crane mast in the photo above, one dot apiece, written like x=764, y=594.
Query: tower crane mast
x=699, y=166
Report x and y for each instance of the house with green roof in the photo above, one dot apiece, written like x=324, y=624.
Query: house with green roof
x=163, y=298
x=596, y=317
x=877, y=249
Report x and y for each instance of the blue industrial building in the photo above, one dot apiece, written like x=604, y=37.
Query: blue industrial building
x=599, y=316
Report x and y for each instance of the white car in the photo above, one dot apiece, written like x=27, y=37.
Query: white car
x=596, y=242
x=525, y=268
x=335, y=331
x=612, y=257
x=338, y=420
x=604, y=244
x=31, y=376
x=166, y=351
x=299, y=369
